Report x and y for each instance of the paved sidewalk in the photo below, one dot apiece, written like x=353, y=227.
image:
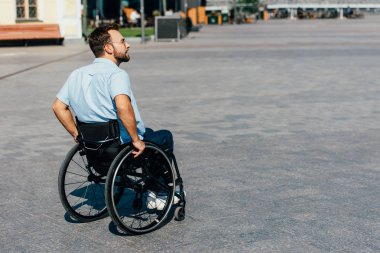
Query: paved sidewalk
x=277, y=134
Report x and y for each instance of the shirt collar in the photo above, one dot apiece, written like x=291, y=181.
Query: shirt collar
x=103, y=60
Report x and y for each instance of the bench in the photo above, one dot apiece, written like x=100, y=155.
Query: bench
x=30, y=34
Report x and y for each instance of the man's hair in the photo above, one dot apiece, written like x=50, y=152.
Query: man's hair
x=100, y=37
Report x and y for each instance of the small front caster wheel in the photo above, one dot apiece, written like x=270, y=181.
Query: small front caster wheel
x=179, y=213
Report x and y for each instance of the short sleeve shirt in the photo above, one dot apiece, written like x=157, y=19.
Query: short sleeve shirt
x=90, y=92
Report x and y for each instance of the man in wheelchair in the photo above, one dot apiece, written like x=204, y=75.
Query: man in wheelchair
x=101, y=92
x=106, y=112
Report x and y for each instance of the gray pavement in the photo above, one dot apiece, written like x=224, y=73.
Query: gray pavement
x=277, y=130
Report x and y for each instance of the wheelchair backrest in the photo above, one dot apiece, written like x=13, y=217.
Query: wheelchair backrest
x=99, y=132
x=101, y=142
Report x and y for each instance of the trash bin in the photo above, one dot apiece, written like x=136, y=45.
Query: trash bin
x=212, y=20
x=169, y=27
x=224, y=18
x=261, y=15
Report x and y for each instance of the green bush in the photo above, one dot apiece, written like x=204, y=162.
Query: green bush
x=136, y=31
x=132, y=32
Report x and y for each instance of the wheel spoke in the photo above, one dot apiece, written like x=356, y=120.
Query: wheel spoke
x=78, y=199
x=94, y=198
x=81, y=182
x=140, y=223
x=84, y=162
x=101, y=190
x=85, y=169
x=76, y=174
x=84, y=196
x=133, y=221
x=76, y=188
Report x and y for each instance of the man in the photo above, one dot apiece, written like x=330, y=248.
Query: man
x=101, y=92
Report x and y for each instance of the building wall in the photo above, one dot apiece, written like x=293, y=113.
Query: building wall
x=7, y=12
x=50, y=8
x=66, y=13
x=69, y=16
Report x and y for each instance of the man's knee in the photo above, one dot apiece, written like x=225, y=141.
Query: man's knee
x=168, y=135
x=163, y=138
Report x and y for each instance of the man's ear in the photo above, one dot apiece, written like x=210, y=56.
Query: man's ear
x=108, y=48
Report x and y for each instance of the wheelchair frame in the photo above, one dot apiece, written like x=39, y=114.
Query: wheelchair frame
x=124, y=189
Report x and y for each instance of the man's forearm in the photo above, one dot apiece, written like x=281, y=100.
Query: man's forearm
x=67, y=121
x=127, y=118
x=63, y=114
x=126, y=115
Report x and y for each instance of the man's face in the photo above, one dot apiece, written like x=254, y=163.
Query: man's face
x=121, y=47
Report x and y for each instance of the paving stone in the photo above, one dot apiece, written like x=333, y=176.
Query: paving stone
x=276, y=129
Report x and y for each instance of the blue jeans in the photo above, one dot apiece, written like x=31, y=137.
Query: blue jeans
x=162, y=138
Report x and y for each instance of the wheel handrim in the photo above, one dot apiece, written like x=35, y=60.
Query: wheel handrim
x=140, y=220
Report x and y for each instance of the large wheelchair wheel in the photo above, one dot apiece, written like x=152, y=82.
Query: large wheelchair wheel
x=81, y=188
x=150, y=173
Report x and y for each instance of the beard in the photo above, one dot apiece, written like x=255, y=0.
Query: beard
x=122, y=56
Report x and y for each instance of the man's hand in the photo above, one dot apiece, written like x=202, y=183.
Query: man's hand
x=75, y=138
x=139, y=146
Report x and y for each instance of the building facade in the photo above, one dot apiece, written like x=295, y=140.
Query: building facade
x=65, y=13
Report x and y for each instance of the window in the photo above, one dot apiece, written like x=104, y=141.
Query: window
x=26, y=9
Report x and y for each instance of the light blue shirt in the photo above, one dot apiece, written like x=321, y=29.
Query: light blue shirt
x=90, y=92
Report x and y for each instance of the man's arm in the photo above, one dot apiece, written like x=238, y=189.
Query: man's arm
x=127, y=116
x=63, y=114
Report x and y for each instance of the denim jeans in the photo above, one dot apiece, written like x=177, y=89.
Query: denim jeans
x=162, y=138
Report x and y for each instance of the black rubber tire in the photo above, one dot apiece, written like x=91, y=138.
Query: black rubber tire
x=152, y=219
x=179, y=213
x=63, y=194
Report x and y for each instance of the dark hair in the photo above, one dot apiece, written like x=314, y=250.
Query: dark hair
x=99, y=37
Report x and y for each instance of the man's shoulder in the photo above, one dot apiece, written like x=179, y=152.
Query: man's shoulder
x=118, y=73
x=88, y=69
x=107, y=71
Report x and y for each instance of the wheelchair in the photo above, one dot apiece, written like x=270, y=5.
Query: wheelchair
x=100, y=177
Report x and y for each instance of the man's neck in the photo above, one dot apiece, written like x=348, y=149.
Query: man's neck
x=111, y=58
